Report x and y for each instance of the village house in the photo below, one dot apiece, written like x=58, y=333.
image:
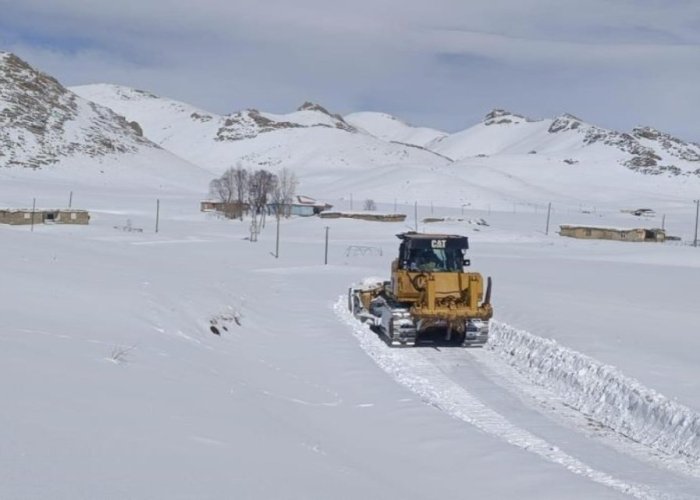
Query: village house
x=18, y=216
x=209, y=205
x=231, y=210
x=55, y=216
x=303, y=206
x=67, y=216
x=609, y=233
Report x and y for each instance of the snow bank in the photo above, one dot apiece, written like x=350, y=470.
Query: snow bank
x=601, y=391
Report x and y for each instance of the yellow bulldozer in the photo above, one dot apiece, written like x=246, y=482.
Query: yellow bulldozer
x=430, y=297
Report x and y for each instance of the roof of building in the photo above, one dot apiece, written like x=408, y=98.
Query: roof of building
x=308, y=201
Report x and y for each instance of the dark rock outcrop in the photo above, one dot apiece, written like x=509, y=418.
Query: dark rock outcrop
x=42, y=122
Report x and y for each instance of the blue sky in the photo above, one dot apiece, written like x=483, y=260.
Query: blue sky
x=445, y=63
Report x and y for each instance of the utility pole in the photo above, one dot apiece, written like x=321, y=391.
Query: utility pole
x=350, y=201
x=70, y=200
x=277, y=240
x=394, y=205
x=34, y=210
x=157, y=214
x=663, y=222
x=415, y=214
x=325, y=260
x=697, y=211
x=549, y=211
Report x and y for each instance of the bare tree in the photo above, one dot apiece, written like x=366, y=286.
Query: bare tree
x=231, y=187
x=370, y=205
x=260, y=186
x=240, y=176
x=223, y=188
x=283, y=192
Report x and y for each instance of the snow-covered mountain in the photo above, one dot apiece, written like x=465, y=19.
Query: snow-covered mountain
x=505, y=158
x=390, y=128
x=43, y=124
x=41, y=121
x=572, y=140
x=309, y=137
x=314, y=141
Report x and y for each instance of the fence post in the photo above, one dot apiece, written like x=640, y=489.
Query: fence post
x=549, y=211
x=325, y=260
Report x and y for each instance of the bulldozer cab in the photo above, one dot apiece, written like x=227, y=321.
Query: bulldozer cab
x=432, y=252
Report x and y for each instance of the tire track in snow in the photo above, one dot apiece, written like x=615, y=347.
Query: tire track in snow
x=410, y=368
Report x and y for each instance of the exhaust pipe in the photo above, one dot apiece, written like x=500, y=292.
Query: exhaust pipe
x=487, y=298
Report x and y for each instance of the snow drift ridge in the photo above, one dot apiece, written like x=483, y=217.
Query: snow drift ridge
x=601, y=391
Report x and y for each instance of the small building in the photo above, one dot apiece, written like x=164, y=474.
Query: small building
x=55, y=216
x=67, y=216
x=209, y=205
x=20, y=216
x=610, y=233
x=231, y=210
x=303, y=206
x=370, y=216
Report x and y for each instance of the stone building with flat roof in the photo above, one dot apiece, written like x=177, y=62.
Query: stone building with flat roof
x=58, y=216
x=611, y=233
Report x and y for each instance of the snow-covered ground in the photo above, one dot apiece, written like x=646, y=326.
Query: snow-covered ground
x=114, y=385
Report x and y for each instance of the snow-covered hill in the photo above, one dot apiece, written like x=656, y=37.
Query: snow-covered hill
x=43, y=124
x=309, y=137
x=572, y=141
x=390, y=128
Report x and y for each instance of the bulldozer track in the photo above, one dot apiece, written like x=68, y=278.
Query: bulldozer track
x=444, y=378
